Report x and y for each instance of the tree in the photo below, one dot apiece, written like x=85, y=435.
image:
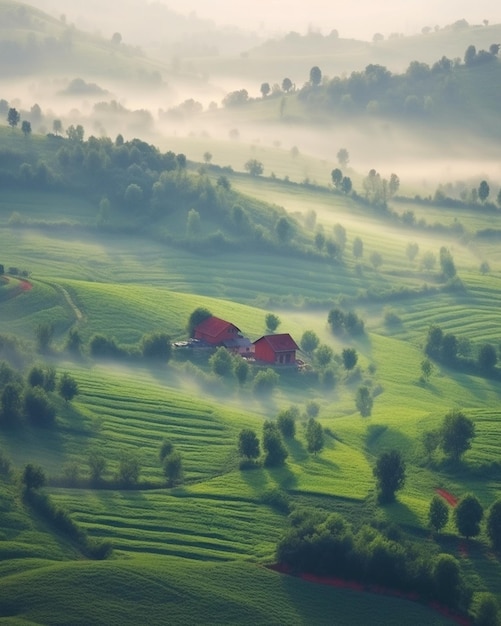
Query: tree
x=312, y=408
x=343, y=157
x=199, y=315
x=358, y=248
x=319, y=240
x=68, y=387
x=323, y=355
x=456, y=434
x=494, y=524
x=116, y=39
x=393, y=185
x=10, y=403
x=133, y=196
x=166, y=448
x=447, y=263
x=221, y=362
x=74, y=342
x=173, y=468
x=390, y=474
x=38, y=408
x=75, y=133
x=470, y=55
x=265, y=89
x=487, y=357
x=309, y=341
x=487, y=610
x=13, y=117
x=483, y=191
x=364, y=401
x=272, y=322
x=286, y=421
x=26, y=128
x=447, y=580
x=336, y=320
x=468, y=515
x=350, y=358
x=340, y=236
x=207, y=157
x=44, y=333
x=248, y=444
x=485, y=268
x=438, y=514
x=33, y=477
x=241, y=370
x=129, y=468
x=57, y=127
x=157, y=347
x=283, y=229
x=426, y=369
x=314, y=436
x=337, y=177
x=287, y=84
x=254, y=167
x=273, y=446
x=36, y=376
x=97, y=465
x=265, y=381
x=346, y=185
x=315, y=76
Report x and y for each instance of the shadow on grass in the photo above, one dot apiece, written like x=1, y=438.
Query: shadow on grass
x=297, y=451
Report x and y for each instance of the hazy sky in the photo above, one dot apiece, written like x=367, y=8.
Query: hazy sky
x=353, y=18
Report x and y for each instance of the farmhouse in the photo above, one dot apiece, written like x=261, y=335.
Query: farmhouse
x=216, y=332
x=278, y=349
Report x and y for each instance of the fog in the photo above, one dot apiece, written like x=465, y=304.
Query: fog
x=358, y=19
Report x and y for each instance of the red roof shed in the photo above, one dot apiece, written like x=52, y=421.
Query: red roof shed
x=215, y=331
x=279, y=349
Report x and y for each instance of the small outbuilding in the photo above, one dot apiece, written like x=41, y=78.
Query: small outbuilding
x=216, y=331
x=277, y=349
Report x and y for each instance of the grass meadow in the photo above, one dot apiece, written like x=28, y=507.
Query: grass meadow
x=199, y=549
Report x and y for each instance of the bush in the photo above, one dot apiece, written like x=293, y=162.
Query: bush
x=38, y=408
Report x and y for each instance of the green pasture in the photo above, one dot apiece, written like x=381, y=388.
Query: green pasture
x=152, y=589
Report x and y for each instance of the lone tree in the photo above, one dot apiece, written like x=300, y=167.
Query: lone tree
x=438, y=514
x=456, y=434
x=494, y=525
x=337, y=177
x=390, y=475
x=272, y=322
x=350, y=358
x=248, y=444
x=286, y=84
x=314, y=436
x=68, y=387
x=198, y=316
x=343, y=157
x=13, y=117
x=173, y=468
x=364, y=401
x=483, y=191
x=468, y=515
x=33, y=477
x=309, y=341
x=265, y=89
x=26, y=128
x=254, y=167
x=129, y=468
x=315, y=76
x=286, y=421
x=273, y=446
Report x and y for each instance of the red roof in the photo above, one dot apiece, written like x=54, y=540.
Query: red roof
x=213, y=326
x=279, y=343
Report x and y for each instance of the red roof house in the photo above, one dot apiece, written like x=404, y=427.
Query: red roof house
x=278, y=349
x=216, y=331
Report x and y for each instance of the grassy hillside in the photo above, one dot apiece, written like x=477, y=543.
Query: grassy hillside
x=206, y=540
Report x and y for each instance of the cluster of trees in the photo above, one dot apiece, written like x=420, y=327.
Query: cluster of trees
x=172, y=463
x=13, y=119
x=454, y=437
x=274, y=434
x=32, y=398
x=420, y=91
x=377, y=190
x=326, y=544
x=449, y=349
x=468, y=515
x=341, y=322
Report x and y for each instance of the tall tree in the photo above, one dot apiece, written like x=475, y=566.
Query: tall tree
x=314, y=436
x=343, y=157
x=26, y=128
x=309, y=341
x=483, y=191
x=68, y=387
x=438, y=514
x=456, y=434
x=173, y=468
x=315, y=76
x=390, y=474
x=467, y=516
x=273, y=446
x=13, y=117
x=287, y=84
x=350, y=358
x=248, y=444
x=364, y=401
x=33, y=477
x=265, y=89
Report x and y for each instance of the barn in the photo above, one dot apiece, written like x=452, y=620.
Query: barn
x=278, y=349
x=216, y=331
